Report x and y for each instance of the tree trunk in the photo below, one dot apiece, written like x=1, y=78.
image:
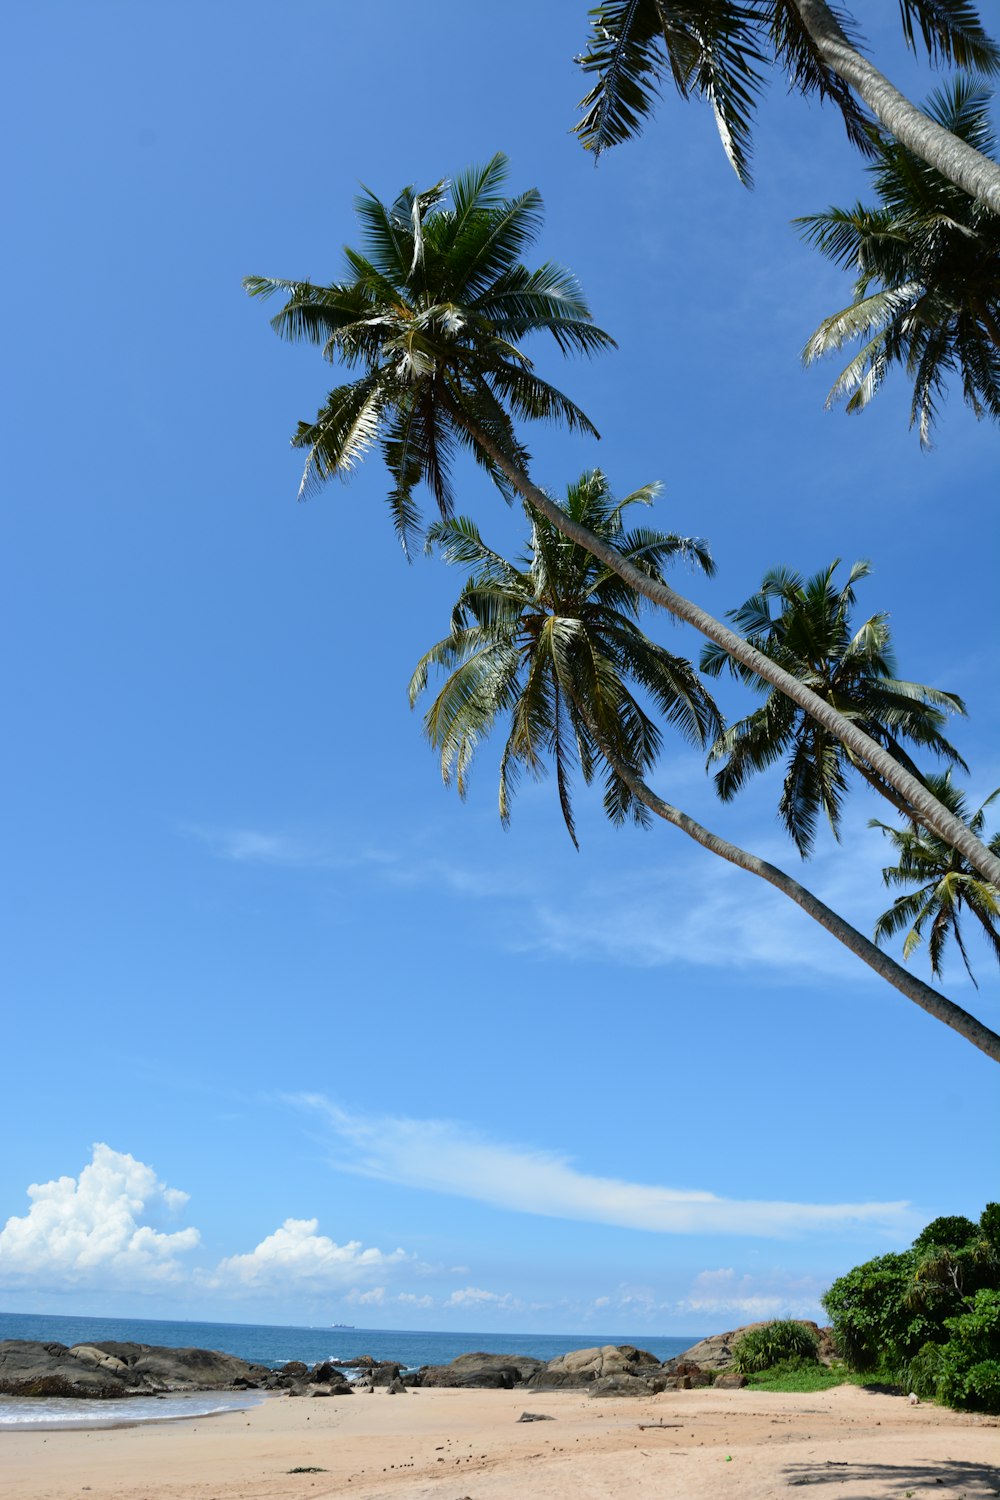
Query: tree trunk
x=929, y=811
x=936, y=1005
x=967, y=168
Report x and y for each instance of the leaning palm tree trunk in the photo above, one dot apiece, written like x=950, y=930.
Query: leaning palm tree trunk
x=969, y=169
x=927, y=808
x=936, y=1005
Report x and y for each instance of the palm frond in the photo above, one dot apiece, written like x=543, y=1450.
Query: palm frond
x=951, y=32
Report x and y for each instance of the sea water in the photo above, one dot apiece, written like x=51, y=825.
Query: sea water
x=264, y=1344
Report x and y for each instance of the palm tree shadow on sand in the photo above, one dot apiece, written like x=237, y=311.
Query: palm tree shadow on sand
x=971, y=1481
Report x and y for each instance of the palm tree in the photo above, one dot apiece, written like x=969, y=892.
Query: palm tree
x=552, y=648
x=719, y=50
x=927, y=292
x=945, y=885
x=806, y=626
x=554, y=643
x=434, y=315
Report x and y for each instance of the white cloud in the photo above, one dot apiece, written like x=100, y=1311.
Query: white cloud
x=99, y=1228
x=476, y=1296
x=753, y=1298
x=443, y=1157
x=410, y=1299
x=105, y=1229
x=298, y=1253
x=373, y=1297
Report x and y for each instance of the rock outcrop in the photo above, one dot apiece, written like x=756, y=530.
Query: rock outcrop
x=481, y=1371
x=109, y=1369
x=716, y=1353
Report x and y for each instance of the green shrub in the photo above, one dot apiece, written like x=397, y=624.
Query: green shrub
x=873, y=1323
x=953, y=1231
x=970, y=1360
x=922, y=1374
x=771, y=1344
x=931, y=1315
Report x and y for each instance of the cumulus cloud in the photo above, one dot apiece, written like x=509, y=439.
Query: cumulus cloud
x=107, y=1229
x=445, y=1157
x=298, y=1252
x=101, y=1227
x=410, y=1299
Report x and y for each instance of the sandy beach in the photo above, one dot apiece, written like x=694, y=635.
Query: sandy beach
x=452, y=1444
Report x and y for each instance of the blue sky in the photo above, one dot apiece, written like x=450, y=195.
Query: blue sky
x=293, y=1035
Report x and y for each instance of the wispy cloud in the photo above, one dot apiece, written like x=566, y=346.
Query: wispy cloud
x=444, y=1157
x=723, y=1291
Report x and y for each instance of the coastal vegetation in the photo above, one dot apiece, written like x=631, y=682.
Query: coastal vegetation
x=771, y=1344
x=432, y=313
x=928, y=1318
x=926, y=259
x=721, y=50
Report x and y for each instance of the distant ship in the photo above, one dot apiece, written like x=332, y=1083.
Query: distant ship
x=347, y=1327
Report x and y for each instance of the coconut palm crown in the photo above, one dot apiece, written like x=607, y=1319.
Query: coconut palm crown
x=805, y=624
x=927, y=288
x=551, y=645
x=433, y=314
x=946, y=885
x=721, y=51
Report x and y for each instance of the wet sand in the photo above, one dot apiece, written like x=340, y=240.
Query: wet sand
x=449, y=1445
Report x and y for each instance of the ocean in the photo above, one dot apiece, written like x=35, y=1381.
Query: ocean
x=265, y=1344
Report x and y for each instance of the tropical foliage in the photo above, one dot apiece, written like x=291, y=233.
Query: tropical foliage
x=771, y=1344
x=433, y=315
x=433, y=311
x=945, y=884
x=722, y=50
x=551, y=646
x=928, y=1318
x=927, y=262
x=805, y=625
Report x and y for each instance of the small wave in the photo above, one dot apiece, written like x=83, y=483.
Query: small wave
x=38, y=1413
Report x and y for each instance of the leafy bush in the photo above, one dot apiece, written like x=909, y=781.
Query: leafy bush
x=873, y=1323
x=928, y=1318
x=970, y=1360
x=771, y=1344
x=953, y=1231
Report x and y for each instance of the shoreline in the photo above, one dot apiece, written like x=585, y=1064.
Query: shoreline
x=448, y=1444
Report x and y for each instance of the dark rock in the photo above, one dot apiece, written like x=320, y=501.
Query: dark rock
x=620, y=1385
x=108, y=1369
x=535, y=1416
x=396, y=1388
x=730, y=1381
x=294, y=1367
x=484, y=1371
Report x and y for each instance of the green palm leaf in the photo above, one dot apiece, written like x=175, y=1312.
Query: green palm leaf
x=805, y=625
x=551, y=645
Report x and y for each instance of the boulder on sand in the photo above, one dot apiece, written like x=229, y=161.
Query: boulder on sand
x=584, y=1367
x=108, y=1369
x=484, y=1371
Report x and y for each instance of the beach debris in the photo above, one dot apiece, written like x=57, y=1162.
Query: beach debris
x=652, y=1426
x=535, y=1416
x=914, y=1399
x=306, y=1469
